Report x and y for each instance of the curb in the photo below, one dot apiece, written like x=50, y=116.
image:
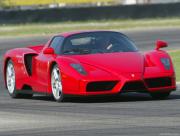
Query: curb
x=178, y=85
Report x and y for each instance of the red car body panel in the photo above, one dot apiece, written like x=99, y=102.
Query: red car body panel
x=121, y=68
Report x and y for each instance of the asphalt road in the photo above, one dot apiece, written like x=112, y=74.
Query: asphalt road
x=126, y=115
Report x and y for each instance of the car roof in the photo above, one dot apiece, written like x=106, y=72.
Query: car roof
x=67, y=34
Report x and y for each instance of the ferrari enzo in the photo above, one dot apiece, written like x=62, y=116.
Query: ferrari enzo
x=88, y=63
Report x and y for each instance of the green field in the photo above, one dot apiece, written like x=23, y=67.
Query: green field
x=52, y=28
x=47, y=2
x=176, y=60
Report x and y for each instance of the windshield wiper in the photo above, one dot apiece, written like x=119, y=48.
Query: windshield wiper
x=77, y=51
x=84, y=51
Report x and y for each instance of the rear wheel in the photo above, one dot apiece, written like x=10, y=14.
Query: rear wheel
x=158, y=95
x=56, y=84
x=10, y=79
x=11, y=82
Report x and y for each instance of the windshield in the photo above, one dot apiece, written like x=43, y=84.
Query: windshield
x=97, y=42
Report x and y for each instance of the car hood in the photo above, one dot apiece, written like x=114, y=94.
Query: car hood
x=125, y=62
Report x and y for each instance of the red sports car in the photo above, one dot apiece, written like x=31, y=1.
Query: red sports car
x=88, y=63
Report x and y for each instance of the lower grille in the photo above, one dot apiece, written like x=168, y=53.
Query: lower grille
x=158, y=82
x=134, y=86
x=100, y=86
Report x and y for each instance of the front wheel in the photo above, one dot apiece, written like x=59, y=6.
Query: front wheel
x=56, y=84
x=158, y=95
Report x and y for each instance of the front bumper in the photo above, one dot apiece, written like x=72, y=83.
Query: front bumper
x=164, y=82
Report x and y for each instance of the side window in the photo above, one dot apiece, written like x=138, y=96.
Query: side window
x=56, y=44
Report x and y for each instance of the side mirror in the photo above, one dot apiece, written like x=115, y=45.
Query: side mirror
x=161, y=44
x=49, y=51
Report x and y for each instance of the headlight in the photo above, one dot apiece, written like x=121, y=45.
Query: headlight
x=166, y=63
x=79, y=68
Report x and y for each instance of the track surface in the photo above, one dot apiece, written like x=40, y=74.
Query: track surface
x=126, y=115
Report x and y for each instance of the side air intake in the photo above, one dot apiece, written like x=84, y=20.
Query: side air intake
x=28, y=62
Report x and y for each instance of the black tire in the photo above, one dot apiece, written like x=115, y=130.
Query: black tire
x=60, y=96
x=14, y=93
x=160, y=96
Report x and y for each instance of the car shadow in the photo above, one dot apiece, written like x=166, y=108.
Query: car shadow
x=129, y=97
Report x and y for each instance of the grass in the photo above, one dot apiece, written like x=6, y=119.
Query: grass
x=176, y=60
x=46, y=2
x=52, y=28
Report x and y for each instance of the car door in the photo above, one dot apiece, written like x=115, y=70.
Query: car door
x=43, y=61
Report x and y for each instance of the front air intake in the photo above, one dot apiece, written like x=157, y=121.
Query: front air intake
x=159, y=82
x=133, y=86
x=100, y=86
